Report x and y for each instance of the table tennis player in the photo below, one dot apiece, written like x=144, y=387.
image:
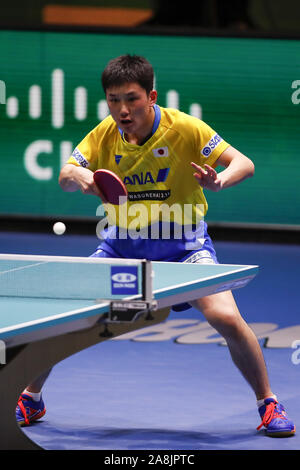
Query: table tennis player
x=164, y=157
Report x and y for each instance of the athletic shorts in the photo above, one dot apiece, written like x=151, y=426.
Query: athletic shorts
x=204, y=255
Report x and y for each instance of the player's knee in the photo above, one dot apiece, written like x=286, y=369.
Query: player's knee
x=222, y=313
x=227, y=321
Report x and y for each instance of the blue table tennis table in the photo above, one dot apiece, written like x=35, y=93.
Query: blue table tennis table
x=52, y=307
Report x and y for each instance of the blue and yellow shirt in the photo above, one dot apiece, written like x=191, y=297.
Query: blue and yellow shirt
x=158, y=175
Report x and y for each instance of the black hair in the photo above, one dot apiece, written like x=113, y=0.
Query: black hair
x=128, y=69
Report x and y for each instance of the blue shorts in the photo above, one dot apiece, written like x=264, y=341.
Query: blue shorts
x=161, y=250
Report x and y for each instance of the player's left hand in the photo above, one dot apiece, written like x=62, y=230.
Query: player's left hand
x=207, y=178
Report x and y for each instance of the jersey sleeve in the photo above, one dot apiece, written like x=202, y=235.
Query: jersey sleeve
x=86, y=152
x=209, y=144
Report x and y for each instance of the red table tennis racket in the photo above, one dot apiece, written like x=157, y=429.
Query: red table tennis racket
x=111, y=186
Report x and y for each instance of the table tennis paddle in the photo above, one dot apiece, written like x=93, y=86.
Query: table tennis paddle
x=111, y=186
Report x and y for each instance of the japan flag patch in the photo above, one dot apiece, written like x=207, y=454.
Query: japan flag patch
x=161, y=152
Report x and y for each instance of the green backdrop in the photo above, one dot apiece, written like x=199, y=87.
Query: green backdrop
x=248, y=90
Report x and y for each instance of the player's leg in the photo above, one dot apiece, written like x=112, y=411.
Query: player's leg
x=30, y=405
x=37, y=385
x=221, y=311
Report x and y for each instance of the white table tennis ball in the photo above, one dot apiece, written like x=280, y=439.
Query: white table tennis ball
x=59, y=228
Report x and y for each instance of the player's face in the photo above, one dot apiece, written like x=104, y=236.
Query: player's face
x=131, y=107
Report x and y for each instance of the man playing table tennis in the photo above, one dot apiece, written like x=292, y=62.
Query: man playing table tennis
x=165, y=158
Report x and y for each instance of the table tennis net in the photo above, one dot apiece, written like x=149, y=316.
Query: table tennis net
x=60, y=277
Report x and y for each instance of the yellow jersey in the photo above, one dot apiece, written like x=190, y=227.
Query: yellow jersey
x=158, y=175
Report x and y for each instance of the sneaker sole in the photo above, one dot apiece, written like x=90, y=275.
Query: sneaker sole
x=31, y=420
x=281, y=433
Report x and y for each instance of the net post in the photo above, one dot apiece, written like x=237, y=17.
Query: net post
x=147, y=281
x=131, y=310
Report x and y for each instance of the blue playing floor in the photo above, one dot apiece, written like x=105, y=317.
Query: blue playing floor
x=175, y=387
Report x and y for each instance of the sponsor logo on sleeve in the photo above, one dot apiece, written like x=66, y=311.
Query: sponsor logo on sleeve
x=80, y=158
x=211, y=145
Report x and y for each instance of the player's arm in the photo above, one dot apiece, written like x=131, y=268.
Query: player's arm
x=237, y=166
x=73, y=178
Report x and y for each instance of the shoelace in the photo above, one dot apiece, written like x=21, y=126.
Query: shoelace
x=23, y=409
x=270, y=413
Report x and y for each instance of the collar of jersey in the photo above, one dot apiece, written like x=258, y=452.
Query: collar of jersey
x=154, y=127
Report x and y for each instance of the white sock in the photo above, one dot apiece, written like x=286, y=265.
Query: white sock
x=34, y=396
x=262, y=402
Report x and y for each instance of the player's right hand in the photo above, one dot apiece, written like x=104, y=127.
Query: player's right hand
x=74, y=178
x=87, y=184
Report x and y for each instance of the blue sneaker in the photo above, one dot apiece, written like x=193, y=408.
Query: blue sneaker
x=29, y=410
x=275, y=420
